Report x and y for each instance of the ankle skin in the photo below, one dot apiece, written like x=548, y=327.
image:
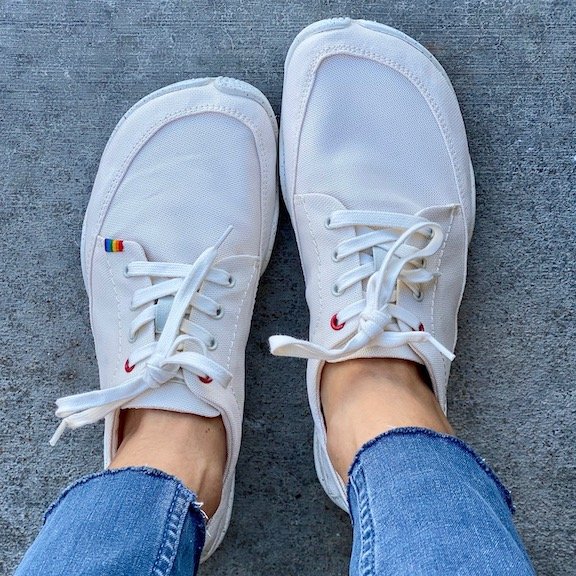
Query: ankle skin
x=190, y=447
x=363, y=398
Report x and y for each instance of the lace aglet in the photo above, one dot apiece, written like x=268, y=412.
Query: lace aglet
x=224, y=236
x=59, y=431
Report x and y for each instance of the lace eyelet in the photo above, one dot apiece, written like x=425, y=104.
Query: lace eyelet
x=327, y=223
x=421, y=328
x=335, y=257
x=126, y=273
x=334, y=323
x=219, y=313
x=213, y=344
x=336, y=290
x=231, y=281
x=205, y=379
x=127, y=367
x=131, y=338
x=419, y=296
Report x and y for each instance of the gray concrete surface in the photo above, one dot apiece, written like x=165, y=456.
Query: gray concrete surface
x=69, y=71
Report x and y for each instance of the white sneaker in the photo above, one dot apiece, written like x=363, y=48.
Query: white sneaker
x=179, y=228
x=376, y=175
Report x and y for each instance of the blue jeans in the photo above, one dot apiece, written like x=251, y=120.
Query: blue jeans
x=421, y=503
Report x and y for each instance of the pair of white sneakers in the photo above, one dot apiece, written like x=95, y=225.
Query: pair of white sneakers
x=376, y=175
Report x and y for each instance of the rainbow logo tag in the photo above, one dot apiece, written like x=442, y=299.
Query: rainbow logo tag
x=111, y=245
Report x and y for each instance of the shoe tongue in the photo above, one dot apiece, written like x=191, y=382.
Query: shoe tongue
x=374, y=255
x=163, y=306
x=378, y=255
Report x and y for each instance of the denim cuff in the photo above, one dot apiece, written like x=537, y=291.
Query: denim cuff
x=187, y=494
x=412, y=431
x=134, y=520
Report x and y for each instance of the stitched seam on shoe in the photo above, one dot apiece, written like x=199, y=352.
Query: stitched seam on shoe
x=232, y=340
x=353, y=50
x=442, y=249
x=264, y=184
x=117, y=363
x=302, y=104
x=120, y=173
x=440, y=256
x=303, y=202
x=154, y=128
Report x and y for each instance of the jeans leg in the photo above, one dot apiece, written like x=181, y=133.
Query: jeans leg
x=123, y=522
x=423, y=504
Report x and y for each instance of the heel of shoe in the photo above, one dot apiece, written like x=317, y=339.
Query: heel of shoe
x=329, y=479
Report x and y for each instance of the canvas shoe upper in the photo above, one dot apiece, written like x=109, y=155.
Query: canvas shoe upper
x=376, y=175
x=178, y=230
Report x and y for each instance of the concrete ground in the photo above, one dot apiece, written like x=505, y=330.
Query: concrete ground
x=70, y=69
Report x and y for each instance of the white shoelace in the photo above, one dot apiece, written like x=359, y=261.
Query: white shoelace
x=392, y=260
x=168, y=355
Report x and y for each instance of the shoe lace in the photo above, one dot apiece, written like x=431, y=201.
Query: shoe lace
x=386, y=259
x=173, y=299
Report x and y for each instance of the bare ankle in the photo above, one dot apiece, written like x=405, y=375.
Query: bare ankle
x=363, y=398
x=188, y=446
